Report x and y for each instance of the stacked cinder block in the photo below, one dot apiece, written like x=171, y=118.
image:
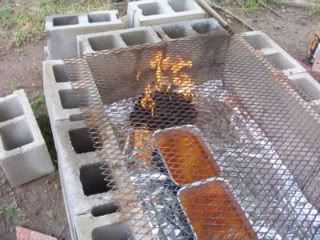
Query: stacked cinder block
x=155, y=12
x=23, y=153
x=282, y=61
x=62, y=30
x=91, y=43
x=88, y=196
x=188, y=28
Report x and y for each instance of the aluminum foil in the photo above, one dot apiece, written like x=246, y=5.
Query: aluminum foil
x=265, y=189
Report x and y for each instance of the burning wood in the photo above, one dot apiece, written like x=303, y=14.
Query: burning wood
x=167, y=101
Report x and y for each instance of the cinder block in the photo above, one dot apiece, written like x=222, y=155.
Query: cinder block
x=62, y=101
x=155, y=12
x=307, y=84
x=62, y=30
x=80, y=168
x=101, y=228
x=91, y=43
x=23, y=153
x=276, y=55
x=312, y=188
x=188, y=28
x=81, y=173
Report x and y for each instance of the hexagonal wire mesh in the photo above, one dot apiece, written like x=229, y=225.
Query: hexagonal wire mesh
x=204, y=139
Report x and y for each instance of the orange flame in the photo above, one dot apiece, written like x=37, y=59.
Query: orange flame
x=170, y=73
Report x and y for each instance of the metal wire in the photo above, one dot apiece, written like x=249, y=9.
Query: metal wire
x=224, y=148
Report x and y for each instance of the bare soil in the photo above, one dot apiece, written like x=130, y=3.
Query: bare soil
x=40, y=204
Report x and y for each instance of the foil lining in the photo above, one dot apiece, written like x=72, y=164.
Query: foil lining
x=265, y=189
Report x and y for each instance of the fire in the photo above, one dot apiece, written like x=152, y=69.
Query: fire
x=170, y=74
x=147, y=101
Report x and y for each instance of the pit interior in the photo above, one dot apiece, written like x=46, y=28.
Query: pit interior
x=96, y=178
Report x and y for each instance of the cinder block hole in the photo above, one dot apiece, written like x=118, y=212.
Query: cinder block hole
x=71, y=98
x=202, y=27
x=16, y=135
x=104, y=42
x=137, y=37
x=60, y=73
x=308, y=87
x=76, y=117
x=116, y=231
x=182, y=5
x=81, y=140
x=149, y=9
x=104, y=209
x=10, y=108
x=176, y=31
x=99, y=17
x=258, y=41
x=94, y=180
x=66, y=20
x=279, y=61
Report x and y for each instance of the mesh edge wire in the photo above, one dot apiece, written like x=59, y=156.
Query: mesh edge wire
x=247, y=75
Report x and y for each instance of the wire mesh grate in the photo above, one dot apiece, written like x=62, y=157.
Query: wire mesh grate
x=204, y=139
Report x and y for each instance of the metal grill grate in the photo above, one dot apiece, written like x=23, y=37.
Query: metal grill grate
x=204, y=139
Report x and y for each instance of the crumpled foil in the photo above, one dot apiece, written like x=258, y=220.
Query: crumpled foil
x=266, y=191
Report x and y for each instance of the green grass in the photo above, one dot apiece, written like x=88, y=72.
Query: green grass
x=39, y=108
x=252, y=5
x=25, y=23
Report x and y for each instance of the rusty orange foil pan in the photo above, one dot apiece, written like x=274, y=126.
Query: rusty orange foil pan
x=214, y=213
x=186, y=155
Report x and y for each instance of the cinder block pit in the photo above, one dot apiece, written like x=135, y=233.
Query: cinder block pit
x=65, y=20
x=152, y=8
x=202, y=27
x=181, y=5
x=137, y=37
x=99, y=17
x=96, y=180
x=279, y=61
x=104, y=209
x=117, y=231
x=81, y=140
x=10, y=109
x=72, y=98
x=76, y=117
x=176, y=31
x=60, y=73
x=258, y=41
x=16, y=135
x=308, y=87
x=104, y=42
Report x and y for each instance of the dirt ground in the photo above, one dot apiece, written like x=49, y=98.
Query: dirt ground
x=39, y=205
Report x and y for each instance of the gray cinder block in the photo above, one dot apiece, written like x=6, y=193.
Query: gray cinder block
x=62, y=101
x=281, y=60
x=276, y=55
x=188, y=28
x=105, y=227
x=155, y=12
x=91, y=43
x=307, y=84
x=81, y=173
x=23, y=153
x=62, y=30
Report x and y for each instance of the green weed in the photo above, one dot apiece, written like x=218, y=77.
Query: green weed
x=13, y=213
x=39, y=108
